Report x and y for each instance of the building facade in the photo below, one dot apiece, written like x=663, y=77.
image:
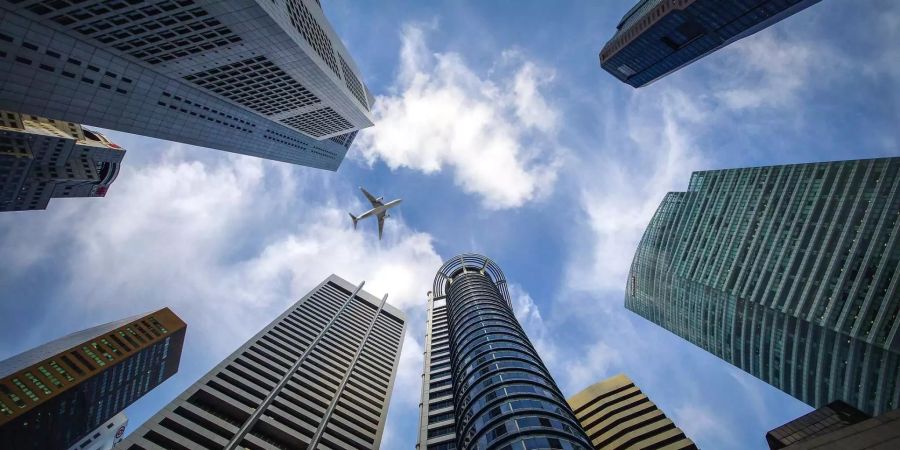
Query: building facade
x=258, y=77
x=616, y=414
x=106, y=436
x=658, y=37
x=319, y=376
x=44, y=158
x=484, y=385
x=788, y=272
x=837, y=426
x=54, y=395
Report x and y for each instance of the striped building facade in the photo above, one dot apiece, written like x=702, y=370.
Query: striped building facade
x=788, y=272
x=319, y=376
x=484, y=385
x=616, y=414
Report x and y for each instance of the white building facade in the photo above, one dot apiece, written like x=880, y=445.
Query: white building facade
x=265, y=78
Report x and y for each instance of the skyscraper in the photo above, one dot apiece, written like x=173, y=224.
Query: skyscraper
x=319, y=376
x=266, y=78
x=788, y=272
x=616, y=414
x=44, y=158
x=53, y=395
x=829, y=418
x=106, y=436
x=484, y=385
x=658, y=37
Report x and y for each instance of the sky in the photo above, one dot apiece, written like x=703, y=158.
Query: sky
x=503, y=136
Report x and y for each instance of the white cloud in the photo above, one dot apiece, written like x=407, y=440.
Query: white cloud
x=496, y=134
x=618, y=196
x=701, y=424
x=230, y=236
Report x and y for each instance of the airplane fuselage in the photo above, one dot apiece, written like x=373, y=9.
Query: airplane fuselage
x=378, y=210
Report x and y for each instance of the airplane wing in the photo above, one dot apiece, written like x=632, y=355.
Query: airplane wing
x=374, y=201
x=380, y=225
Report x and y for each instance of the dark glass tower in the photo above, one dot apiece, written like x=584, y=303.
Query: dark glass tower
x=54, y=395
x=657, y=37
x=788, y=272
x=501, y=394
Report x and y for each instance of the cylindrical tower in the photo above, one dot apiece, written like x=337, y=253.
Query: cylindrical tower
x=503, y=395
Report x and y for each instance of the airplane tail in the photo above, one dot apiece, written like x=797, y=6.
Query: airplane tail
x=355, y=219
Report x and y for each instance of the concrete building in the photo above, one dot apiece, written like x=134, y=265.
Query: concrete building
x=788, y=272
x=484, y=385
x=44, y=158
x=616, y=414
x=266, y=78
x=658, y=37
x=106, y=436
x=838, y=426
x=54, y=395
x=319, y=376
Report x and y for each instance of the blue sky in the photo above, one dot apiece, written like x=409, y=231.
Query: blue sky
x=503, y=135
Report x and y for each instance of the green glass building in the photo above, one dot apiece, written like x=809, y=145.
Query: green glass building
x=788, y=272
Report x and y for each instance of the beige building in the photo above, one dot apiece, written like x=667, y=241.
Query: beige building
x=617, y=415
x=44, y=158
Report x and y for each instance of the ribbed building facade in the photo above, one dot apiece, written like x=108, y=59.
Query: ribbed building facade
x=616, y=414
x=265, y=78
x=44, y=158
x=484, y=385
x=658, y=37
x=54, y=395
x=319, y=376
x=788, y=272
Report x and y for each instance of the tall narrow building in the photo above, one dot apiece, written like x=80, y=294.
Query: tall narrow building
x=44, y=158
x=319, y=376
x=788, y=272
x=265, y=78
x=54, y=395
x=616, y=414
x=104, y=437
x=658, y=37
x=484, y=385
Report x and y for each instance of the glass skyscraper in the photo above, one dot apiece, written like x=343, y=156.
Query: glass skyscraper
x=55, y=395
x=319, y=376
x=658, y=37
x=484, y=385
x=788, y=272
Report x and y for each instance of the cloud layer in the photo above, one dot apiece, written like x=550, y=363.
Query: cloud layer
x=494, y=132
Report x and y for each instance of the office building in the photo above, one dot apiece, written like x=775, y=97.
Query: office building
x=616, y=414
x=788, y=272
x=658, y=37
x=837, y=426
x=484, y=385
x=44, y=158
x=54, y=395
x=319, y=376
x=265, y=78
x=106, y=436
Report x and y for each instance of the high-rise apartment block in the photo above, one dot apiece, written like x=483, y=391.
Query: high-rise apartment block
x=54, y=395
x=44, y=158
x=484, y=385
x=616, y=414
x=266, y=78
x=658, y=37
x=838, y=426
x=106, y=436
x=788, y=272
x=319, y=376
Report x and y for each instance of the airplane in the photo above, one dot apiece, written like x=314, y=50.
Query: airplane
x=379, y=209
